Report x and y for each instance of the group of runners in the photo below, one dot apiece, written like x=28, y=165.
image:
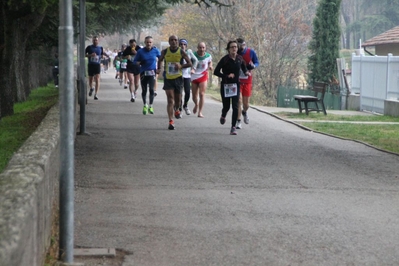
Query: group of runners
x=183, y=71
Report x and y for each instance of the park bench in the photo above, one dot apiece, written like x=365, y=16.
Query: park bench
x=319, y=90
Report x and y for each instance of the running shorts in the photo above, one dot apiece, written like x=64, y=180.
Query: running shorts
x=93, y=69
x=173, y=84
x=246, y=89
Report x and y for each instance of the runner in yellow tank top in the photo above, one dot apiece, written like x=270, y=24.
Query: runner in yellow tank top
x=172, y=71
x=173, y=77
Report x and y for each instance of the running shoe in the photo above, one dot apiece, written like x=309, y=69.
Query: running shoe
x=95, y=97
x=178, y=114
x=171, y=125
x=133, y=98
x=151, y=110
x=187, y=110
x=145, y=110
x=246, y=117
x=238, y=124
x=125, y=87
x=233, y=131
x=155, y=93
x=222, y=120
x=91, y=91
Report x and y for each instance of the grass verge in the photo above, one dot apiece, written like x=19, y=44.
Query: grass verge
x=15, y=129
x=382, y=136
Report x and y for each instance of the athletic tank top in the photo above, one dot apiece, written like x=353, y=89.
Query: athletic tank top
x=171, y=58
x=247, y=59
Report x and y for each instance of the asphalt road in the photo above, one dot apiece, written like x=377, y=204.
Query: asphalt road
x=275, y=194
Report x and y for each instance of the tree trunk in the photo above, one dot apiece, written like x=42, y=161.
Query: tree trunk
x=16, y=28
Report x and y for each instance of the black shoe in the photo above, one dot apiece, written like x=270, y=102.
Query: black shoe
x=222, y=120
x=171, y=125
x=91, y=91
x=95, y=97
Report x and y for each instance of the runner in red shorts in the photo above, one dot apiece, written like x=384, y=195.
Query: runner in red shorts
x=252, y=62
x=199, y=79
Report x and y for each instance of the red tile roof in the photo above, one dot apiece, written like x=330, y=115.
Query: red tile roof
x=388, y=37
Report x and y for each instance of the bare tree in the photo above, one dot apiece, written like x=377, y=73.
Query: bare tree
x=278, y=30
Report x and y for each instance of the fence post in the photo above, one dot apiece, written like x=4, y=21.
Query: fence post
x=389, y=57
x=360, y=82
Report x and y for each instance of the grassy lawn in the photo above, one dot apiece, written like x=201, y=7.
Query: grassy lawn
x=333, y=117
x=15, y=129
x=385, y=137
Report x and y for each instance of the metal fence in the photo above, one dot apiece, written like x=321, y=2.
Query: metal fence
x=285, y=98
x=375, y=78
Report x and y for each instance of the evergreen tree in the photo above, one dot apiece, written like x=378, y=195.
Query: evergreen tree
x=324, y=46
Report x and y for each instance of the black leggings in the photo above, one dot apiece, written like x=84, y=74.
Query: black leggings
x=234, y=104
x=150, y=81
x=187, y=89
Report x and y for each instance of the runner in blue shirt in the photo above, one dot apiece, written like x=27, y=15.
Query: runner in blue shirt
x=147, y=58
x=94, y=53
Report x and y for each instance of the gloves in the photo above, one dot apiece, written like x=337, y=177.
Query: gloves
x=250, y=66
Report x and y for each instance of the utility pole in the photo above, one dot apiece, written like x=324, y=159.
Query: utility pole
x=67, y=131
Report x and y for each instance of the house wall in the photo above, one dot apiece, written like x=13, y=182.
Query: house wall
x=385, y=49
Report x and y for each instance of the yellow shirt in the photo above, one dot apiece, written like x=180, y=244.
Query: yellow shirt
x=171, y=58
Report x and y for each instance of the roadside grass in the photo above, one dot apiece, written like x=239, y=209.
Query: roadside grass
x=384, y=137
x=334, y=117
x=15, y=129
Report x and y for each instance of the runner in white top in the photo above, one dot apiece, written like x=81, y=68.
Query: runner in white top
x=199, y=78
x=187, y=75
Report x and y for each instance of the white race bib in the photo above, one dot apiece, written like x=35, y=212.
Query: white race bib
x=230, y=90
x=95, y=59
x=172, y=68
x=149, y=73
x=242, y=75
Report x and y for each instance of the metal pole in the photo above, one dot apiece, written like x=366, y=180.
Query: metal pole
x=67, y=132
x=82, y=67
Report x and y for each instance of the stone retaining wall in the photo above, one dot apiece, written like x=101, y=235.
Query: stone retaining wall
x=28, y=191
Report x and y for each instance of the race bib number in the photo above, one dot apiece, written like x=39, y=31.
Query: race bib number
x=123, y=65
x=242, y=75
x=172, y=68
x=95, y=59
x=201, y=65
x=149, y=73
x=230, y=90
